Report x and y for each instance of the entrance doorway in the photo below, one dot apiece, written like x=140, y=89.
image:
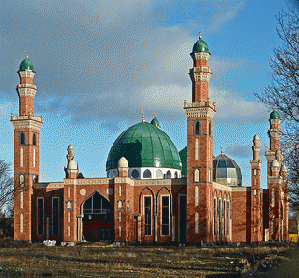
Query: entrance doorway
x=97, y=220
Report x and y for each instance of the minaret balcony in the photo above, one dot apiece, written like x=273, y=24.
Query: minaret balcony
x=200, y=104
x=28, y=121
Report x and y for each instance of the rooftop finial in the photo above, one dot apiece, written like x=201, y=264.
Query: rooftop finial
x=143, y=116
x=199, y=34
x=221, y=150
x=26, y=54
x=155, y=114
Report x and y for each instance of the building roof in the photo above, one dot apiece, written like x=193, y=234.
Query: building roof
x=26, y=65
x=226, y=171
x=144, y=145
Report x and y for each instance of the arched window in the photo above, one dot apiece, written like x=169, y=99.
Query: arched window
x=147, y=174
x=273, y=197
x=22, y=180
x=215, y=215
x=273, y=225
x=227, y=217
x=196, y=222
x=114, y=174
x=135, y=174
x=35, y=179
x=197, y=128
x=196, y=196
x=175, y=174
x=196, y=149
x=159, y=174
x=21, y=157
x=34, y=139
x=96, y=204
x=168, y=174
x=281, y=211
x=196, y=175
x=210, y=128
x=22, y=138
x=219, y=216
x=224, y=217
x=33, y=157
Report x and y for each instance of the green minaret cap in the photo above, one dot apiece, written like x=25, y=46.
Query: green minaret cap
x=200, y=46
x=155, y=122
x=26, y=64
x=274, y=115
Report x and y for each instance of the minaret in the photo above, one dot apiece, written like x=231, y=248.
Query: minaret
x=200, y=113
x=274, y=158
x=255, y=192
x=26, y=151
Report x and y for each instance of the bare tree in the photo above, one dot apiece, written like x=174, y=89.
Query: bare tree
x=283, y=93
x=6, y=187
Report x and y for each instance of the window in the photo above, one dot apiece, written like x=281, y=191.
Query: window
x=209, y=175
x=55, y=215
x=197, y=127
x=120, y=190
x=273, y=197
x=165, y=215
x=210, y=128
x=224, y=217
x=227, y=217
x=119, y=216
x=196, y=196
x=40, y=216
x=96, y=204
x=196, y=222
x=22, y=180
x=22, y=223
x=34, y=158
x=147, y=215
x=159, y=174
x=22, y=157
x=34, y=139
x=196, y=149
x=168, y=175
x=22, y=138
x=196, y=175
x=215, y=215
x=219, y=216
x=273, y=225
x=175, y=174
x=135, y=174
x=22, y=199
x=147, y=174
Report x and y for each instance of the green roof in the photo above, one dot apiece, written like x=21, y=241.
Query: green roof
x=274, y=115
x=183, y=155
x=200, y=46
x=144, y=145
x=26, y=65
x=155, y=122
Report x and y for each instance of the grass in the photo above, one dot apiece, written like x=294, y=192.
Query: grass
x=37, y=260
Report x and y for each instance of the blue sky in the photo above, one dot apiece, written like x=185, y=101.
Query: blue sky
x=99, y=63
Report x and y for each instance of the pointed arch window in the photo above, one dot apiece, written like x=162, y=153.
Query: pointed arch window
x=196, y=174
x=34, y=139
x=215, y=216
x=196, y=222
x=210, y=128
x=22, y=180
x=197, y=128
x=22, y=138
x=168, y=174
x=159, y=174
x=96, y=204
x=22, y=157
x=135, y=174
x=147, y=174
x=196, y=196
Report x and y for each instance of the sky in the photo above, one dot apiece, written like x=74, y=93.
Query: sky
x=100, y=63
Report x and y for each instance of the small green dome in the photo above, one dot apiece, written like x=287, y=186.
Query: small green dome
x=200, y=46
x=26, y=65
x=155, y=122
x=274, y=115
x=183, y=155
x=144, y=145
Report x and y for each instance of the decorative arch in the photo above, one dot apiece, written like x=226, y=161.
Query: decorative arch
x=91, y=210
x=170, y=194
x=147, y=174
x=22, y=180
x=22, y=138
x=196, y=175
x=140, y=198
x=197, y=127
x=135, y=174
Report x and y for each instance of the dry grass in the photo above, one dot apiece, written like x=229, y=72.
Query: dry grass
x=37, y=260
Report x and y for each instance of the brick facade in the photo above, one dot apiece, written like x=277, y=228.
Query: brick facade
x=169, y=210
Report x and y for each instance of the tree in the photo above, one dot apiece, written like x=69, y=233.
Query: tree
x=283, y=94
x=6, y=188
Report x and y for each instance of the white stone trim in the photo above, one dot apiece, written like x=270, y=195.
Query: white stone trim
x=203, y=112
x=26, y=73
x=26, y=123
x=26, y=92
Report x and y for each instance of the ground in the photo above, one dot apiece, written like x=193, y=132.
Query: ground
x=102, y=260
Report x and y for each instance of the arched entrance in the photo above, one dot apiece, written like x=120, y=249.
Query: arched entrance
x=97, y=219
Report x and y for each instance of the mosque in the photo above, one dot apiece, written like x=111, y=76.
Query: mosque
x=152, y=193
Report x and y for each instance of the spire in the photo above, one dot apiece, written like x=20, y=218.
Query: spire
x=199, y=34
x=221, y=150
x=143, y=116
x=26, y=54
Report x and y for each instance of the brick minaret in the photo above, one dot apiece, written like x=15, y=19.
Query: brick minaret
x=255, y=192
x=26, y=151
x=274, y=179
x=200, y=113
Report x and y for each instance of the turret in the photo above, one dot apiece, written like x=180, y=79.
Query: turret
x=72, y=168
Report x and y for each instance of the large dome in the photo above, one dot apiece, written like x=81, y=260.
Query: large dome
x=226, y=171
x=144, y=145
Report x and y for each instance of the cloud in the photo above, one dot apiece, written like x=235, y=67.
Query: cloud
x=244, y=151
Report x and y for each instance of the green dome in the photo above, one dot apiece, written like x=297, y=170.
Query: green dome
x=200, y=46
x=183, y=156
x=155, y=122
x=274, y=115
x=26, y=65
x=226, y=171
x=144, y=145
